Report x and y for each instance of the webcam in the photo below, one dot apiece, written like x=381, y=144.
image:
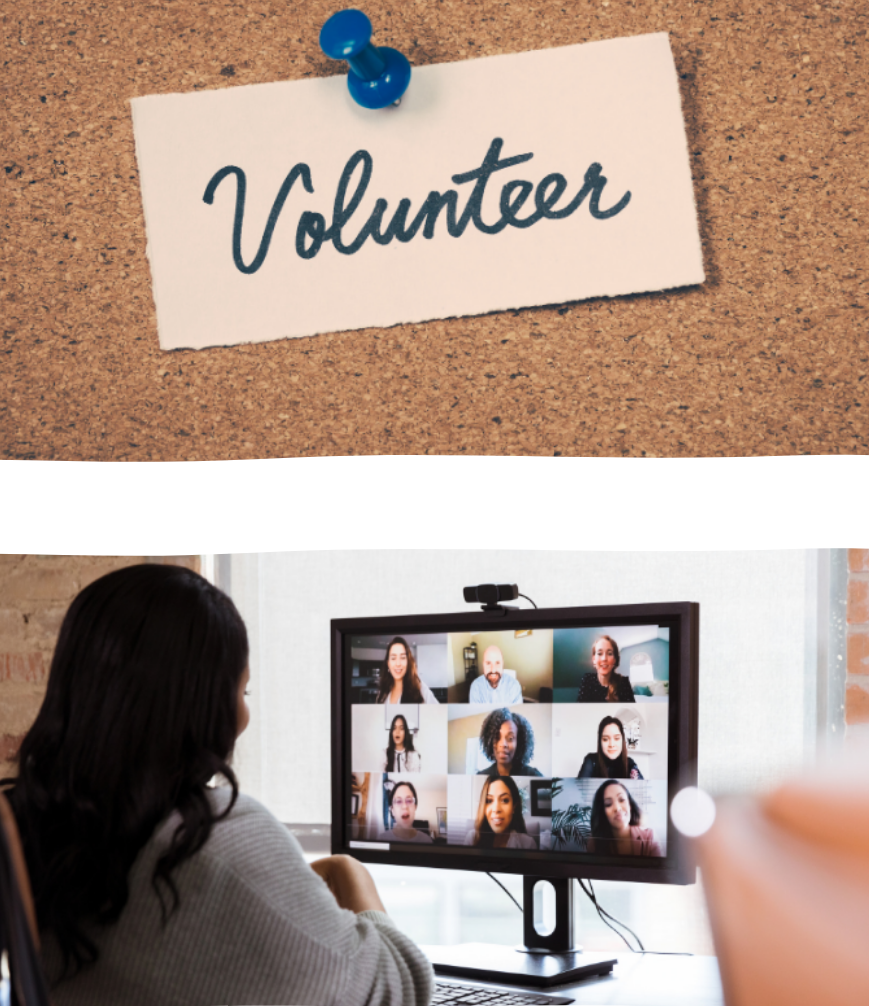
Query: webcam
x=489, y=595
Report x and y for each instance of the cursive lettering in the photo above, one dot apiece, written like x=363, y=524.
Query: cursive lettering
x=312, y=232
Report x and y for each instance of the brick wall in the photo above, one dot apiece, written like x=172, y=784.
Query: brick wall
x=857, y=681
x=35, y=591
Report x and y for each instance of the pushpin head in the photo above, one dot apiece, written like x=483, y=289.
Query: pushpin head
x=378, y=75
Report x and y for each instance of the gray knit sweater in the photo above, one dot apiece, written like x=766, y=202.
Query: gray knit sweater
x=255, y=925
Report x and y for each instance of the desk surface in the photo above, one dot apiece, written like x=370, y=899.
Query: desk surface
x=648, y=980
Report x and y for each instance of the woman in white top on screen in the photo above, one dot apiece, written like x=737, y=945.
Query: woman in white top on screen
x=500, y=824
x=399, y=678
x=400, y=755
x=403, y=803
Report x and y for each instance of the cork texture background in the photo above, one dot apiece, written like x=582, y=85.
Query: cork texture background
x=769, y=356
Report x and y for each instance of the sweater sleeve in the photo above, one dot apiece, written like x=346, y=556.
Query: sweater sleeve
x=294, y=944
x=255, y=924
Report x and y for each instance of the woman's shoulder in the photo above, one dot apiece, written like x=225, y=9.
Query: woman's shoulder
x=427, y=695
x=625, y=691
x=421, y=837
x=519, y=840
x=646, y=838
x=587, y=683
x=243, y=807
x=249, y=833
x=236, y=813
x=589, y=763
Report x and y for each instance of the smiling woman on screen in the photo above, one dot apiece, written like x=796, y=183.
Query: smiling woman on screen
x=500, y=824
x=604, y=684
x=616, y=821
x=611, y=760
x=151, y=886
x=399, y=677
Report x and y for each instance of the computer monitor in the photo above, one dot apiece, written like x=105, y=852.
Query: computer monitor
x=542, y=742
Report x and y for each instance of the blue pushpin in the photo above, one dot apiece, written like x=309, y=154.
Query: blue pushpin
x=378, y=75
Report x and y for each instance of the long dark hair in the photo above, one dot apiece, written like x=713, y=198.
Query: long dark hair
x=484, y=835
x=390, y=748
x=613, y=768
x=411, y=688
x=491, y=731
x=601, y=830
x=140, y=712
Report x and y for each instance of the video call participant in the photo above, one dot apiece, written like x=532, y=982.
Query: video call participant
x=507, y=740
x=399, y=677
x=400, y=755
x=403, y=803
x=603, y=684
x=493, y=685
x=137, y=864
x=611, y=760
x=500, y=824
x=615, y=824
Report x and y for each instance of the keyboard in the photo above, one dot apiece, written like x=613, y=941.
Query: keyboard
x=469, y=994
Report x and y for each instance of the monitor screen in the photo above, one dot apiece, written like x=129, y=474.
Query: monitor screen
x=547, y=742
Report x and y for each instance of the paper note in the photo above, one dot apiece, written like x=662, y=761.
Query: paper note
x=283, y=210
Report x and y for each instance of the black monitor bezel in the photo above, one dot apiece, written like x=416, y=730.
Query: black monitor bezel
x=678, y=867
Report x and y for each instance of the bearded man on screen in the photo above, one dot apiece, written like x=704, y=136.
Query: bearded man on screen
x=493, y=686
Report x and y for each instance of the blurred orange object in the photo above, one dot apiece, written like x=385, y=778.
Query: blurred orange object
x=787, y=884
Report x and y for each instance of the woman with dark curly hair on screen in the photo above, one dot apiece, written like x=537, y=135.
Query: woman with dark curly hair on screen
x=152, y=885
x=399, y=677
x=603, y=684
x=507, y=739
x=616, y=824
x=500, y=824
x=611, y=760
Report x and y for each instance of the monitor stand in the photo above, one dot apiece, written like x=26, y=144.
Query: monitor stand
x=543, y=960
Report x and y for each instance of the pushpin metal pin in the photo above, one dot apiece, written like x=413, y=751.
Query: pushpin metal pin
x=378, y=75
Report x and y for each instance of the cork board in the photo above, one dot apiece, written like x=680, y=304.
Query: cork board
x=769, y=356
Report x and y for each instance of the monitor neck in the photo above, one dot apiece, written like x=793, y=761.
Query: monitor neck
x=560, y=940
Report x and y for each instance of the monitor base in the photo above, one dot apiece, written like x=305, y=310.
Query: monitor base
x=542, y=950
x=508, y=966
